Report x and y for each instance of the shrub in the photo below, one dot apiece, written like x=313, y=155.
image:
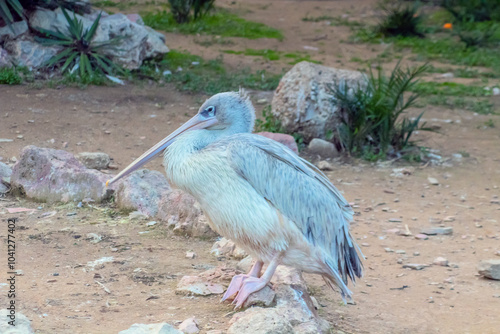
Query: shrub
x=10, y=76
x=401, y=19
x=473, y=10
x=372, y=121
x=181, y=9
x=79, y=52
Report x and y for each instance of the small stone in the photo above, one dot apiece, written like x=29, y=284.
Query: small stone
x=393, y=230
x=416, y=253
x=421, y=237
x=490, y=269
x=323, y=148
x=94, y=237
x=365, y=244
x=437, y=230
x=496, y=91
x=94, y=160
x=151, y=223
x=449, y=219
x=400, y=251
x=440, y=261
x=20, y=137
x=388, y=250
x=190, y=255
x=400, y=261
x=315, y=302
x=161, y=328
x=395, y=220
x=415, y=266
x=433, y=181
x=325, y=165
x=194, y=285
x=262, y=101
x=189, y=326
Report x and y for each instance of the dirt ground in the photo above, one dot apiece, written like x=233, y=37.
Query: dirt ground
x=58, y=289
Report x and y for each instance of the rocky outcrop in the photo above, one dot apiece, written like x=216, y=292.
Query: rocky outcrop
x=303, y=101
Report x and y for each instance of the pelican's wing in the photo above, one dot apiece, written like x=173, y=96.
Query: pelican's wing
x=302, y=193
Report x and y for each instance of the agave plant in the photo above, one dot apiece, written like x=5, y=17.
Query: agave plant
x=6, y=9
x=79, y=51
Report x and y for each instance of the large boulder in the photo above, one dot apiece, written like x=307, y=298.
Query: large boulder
x=142, y=191
x=16, y=30
x=49, y=175
x=28, y=53
x=303, y=101
x=135, y=43
x=22, y=324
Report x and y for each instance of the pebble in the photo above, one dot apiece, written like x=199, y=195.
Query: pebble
x=421, y=237
x=449, y=219
x=152, y=223
x=189, y=326
x=433, y=181
x=440, y=261
x=437, y=230
x=496, y=91
x=325, y=165
x=395, y=220
x=416, y=253
x=415, y=266
x=190, y=255
x=400, y=251
x=388, y=250
x=365, y=244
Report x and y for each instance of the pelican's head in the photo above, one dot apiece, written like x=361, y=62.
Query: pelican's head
x=229, y=113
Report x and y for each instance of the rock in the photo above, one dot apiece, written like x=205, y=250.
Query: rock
x=245, y=265
x=22, y=324
x=303, y=101
x=495, y=91
x=94, y=160
x=421, y=237
x=5, y=174
x=190, y=255
x=440, y=261
x=138, y=43
x=433, y=181
x=5, y=61
x=415, y=266
x=258, y=320
x=142, y=191
x=30, y=54
x=189, y=326
x=136, y=18
x=282, y=138
x=402, y=172
x=161, y=328
x=49, y=175
x=16, y=30
x=325, y=165
x=263, y=298
x=225, y=247
x=181, y=211
x=395, y=220
x=141, y=43
x=194, y=285
x=322, y=148
x=490, y=269
x=437, y=230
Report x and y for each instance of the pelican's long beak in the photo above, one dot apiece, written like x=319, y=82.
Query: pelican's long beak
x=197, y=122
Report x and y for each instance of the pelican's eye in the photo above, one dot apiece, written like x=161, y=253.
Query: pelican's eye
x=208, y=112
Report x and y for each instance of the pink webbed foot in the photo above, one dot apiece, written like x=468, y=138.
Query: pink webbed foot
x=250, y=285
x=234, y=286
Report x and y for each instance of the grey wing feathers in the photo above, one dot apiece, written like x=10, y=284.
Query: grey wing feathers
x=302, y=193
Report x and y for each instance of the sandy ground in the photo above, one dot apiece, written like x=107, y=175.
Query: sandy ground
x=59, y=292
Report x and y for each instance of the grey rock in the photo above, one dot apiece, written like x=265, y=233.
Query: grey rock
x=183, y=213
x=53, y=20
x=140, y=42
x=49, y=175
x=490, y=269
x=323, y=148
x=22, y=324
x=161, y=328
x=226, y=247
x=5, y=61
x=16, y=30
x=30, y=54
x=5, y=173
x=440, y=261
x=198, y=286
x=325, y=165
x=415, y=266
x=303, y=101
x=257, y=320
x=189, y=326
x=142, y=191
x=245, y=264
x=264, y=298
x=94, y=160
x=437, y=230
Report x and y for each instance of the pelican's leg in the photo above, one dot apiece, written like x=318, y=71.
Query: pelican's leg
x=238, y=280
x=254, y=284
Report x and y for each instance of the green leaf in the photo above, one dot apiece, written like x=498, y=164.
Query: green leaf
x=68, y=62
x=91, y=32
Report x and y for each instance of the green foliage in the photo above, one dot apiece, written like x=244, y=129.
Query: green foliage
x=10, y=76
x=372, y=122
x=401, y=19
x=272, y=55
x=334, y=20
x=269, y=123
x=79, y=49
x=220, y=23
x=473, y=10
x=449, y=89
x=489, y=123
x=195, y=74
x=8, y=9
x=473, y=36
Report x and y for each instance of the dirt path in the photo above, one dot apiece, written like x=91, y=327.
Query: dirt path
x=58, y=289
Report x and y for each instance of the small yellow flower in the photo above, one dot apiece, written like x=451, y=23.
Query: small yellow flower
x=448, y=26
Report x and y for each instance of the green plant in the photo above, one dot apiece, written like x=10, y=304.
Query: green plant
x=489, y=123
x=400, y=19
x=10, y=76
x=79, y=49
x=7, y=8
x=269, y=123
x=474, y=36
x=181, y=9
x=220, y=23
x=473, y=10
x=372, y=121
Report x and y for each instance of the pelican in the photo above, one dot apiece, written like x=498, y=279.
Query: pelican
x=260, y=194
